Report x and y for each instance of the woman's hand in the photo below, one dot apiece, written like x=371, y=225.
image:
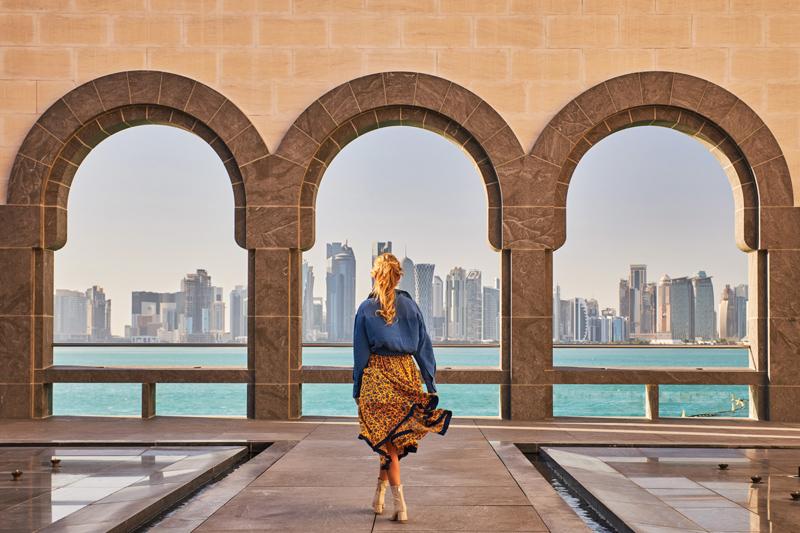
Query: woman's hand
x=357, y=403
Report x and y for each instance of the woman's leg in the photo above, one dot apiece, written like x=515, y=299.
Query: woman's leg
x=394, y=467
x=383, y=474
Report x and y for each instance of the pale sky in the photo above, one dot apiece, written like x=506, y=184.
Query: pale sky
x=153, y=203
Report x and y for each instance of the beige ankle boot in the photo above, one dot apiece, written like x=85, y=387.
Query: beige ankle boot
x=378, y=500
x=400, y=510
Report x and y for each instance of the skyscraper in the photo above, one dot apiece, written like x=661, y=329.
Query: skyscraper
x=624, y=302
x=99, y=315
x=423, y=274
x=491, y=314
x=649, y=308
x=238, y=312
x=407, y=281
x=438, y=297
x=473, y=287
x=308, y=301
x=341, y=291
x=437, y=331
x=198, y=295
x=728, y=326
x=217, y=316
x=681, y=303
x=662, y=306
x=556, y=313
x=637, y=281
x=580, y=321
x=71, y=317
x=380, y=248
x=703, y=305
x=456, y=305
x=741, y=294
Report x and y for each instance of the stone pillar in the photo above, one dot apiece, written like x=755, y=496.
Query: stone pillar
x=531, y=325
x=505, y=333
x=651, y=402
x=148, y=400
x=783, y=391
x=17, y=324
x=758, y=338
x=272, y=272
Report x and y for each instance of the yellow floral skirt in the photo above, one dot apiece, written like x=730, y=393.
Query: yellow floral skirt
x=393, y=406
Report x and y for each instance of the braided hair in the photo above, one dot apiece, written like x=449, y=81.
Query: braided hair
x=386, y=271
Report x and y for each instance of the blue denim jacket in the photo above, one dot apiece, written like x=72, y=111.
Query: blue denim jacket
x=406, y=335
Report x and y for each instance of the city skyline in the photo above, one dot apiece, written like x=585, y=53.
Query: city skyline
x=183, y=181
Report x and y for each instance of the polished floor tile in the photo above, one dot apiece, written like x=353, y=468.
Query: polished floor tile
x=94, y=485
x=683, y=489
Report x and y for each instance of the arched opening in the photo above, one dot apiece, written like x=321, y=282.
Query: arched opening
x=762, y=190
x=650, y=259
x=418, y=195
x=150, y=262
x=38, y=191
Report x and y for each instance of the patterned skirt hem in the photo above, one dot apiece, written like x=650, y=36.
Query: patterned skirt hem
x=430, y=406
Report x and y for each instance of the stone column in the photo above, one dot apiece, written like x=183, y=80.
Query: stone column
x=16, y=332
x=272, y=316
x=783, y=392
x=758, y=338
x=531, y=325
x=26, y=313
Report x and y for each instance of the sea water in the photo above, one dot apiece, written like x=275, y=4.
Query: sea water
x=336, y=399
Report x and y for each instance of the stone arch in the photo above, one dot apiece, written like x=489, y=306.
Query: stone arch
x=767, y=223
x=394, y=99
x=68, y=131
x=727, y=126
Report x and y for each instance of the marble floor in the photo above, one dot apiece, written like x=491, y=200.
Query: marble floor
x=684, y=489
x=97, y=488
x=318, y=477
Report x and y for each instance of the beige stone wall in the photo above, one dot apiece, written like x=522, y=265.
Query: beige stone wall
x=527, y=58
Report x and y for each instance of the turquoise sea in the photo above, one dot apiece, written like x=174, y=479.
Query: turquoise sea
x=334, y=400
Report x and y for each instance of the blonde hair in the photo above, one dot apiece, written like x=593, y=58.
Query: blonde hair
x=386, y=271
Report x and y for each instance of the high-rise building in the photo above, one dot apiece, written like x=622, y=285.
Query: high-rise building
x=741, y=294
x=620, y=329
x=437, y=331
x=238, y=313
x=556, y=313
x=155, y=317
x=728, y=325
x=71, y=316
x=649, y=305
x=566, y=320
x=438, y=297
x=491, y=314
x=423, y=274
x=624, y=302
x=378, y=249
x=662, y=305
x=341, y=291
x=580, y=320
x=473, y=287
x=681, y=305
x=308, y=301
x=198, y=295
x=456, y=305
x=637, y=281
x=408, y=282
x=99, y=315
x=217, y=316
x=703, y=305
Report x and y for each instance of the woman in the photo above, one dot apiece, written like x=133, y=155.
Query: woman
x=393, y=410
